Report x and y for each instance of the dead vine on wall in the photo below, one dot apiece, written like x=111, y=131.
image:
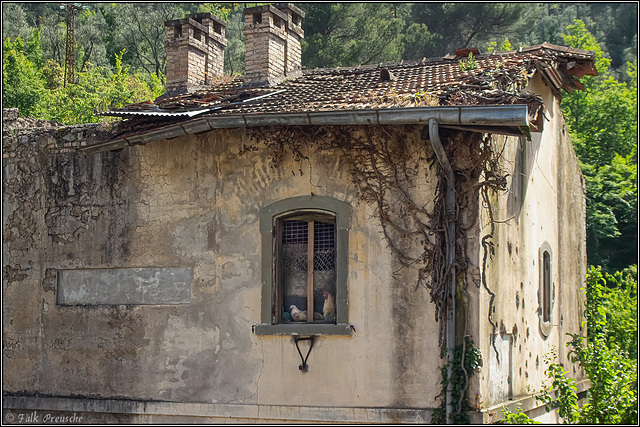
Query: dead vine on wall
x=385, y=172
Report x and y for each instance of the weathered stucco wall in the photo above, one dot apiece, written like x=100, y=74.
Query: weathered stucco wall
x=544, y=202
x=31, y=237
x=194, y=202
x=191, y=207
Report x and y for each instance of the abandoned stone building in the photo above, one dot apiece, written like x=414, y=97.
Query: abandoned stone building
x=296, y=244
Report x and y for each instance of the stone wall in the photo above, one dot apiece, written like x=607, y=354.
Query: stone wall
x=44, y=211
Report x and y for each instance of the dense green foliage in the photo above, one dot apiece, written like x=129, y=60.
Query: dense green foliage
x=22, y=82
x=608, y=356
x=618, y=300
x=37, y=87
x=605, y=353
x=603, y=124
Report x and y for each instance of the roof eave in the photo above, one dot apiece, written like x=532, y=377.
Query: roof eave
x=475, y=117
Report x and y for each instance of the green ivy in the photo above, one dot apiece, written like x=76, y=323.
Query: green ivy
x=472, y=360
x=566, y=393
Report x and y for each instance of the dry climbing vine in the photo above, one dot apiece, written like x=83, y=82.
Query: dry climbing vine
x=385, y=171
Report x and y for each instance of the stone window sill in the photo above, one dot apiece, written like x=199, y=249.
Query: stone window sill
x=302, y=329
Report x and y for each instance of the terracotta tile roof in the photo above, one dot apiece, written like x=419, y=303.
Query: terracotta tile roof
x=494, y=79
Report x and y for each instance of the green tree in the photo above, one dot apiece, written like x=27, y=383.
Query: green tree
x=603, y=123
x=619, y=303
x=349, y=34
x=54, y=30
x=53, y=75
x=221, y=10
x=612, y=214
x=139, y=29
x=458, y=25
x=418, y=41
x=23, y=82
x=89, y=35
x=234, y=53
x=14, y=22
x=506, y=45
x=97, y=89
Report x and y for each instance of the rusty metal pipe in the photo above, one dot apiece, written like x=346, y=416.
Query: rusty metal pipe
x=441, y=155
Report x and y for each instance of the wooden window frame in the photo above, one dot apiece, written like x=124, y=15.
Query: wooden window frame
x=311, y=219
x=270, y=217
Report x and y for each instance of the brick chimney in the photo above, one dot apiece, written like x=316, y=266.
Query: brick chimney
x=195, y=52
x=272, y=36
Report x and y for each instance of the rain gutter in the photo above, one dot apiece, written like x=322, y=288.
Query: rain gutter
x=484, y=116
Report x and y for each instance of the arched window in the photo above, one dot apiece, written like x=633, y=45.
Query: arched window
x=546, y=286
x=304, y=267
x=545, y=295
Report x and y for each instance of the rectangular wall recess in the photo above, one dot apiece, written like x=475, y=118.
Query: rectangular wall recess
x=124, y=286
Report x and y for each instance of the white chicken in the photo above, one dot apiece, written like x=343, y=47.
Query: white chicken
x=329, y=307
x=298, y=315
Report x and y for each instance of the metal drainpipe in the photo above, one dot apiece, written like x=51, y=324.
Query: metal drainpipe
x=434, y=137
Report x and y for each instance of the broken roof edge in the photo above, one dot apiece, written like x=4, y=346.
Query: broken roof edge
x=512, y=116
x=587, y=55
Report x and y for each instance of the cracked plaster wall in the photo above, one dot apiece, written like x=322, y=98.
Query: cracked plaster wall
x=194, y=202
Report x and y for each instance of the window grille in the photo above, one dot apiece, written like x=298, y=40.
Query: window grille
x=324, y=246
x=301, y=288
x=295, y=240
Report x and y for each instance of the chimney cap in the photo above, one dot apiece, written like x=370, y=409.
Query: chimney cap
x=266, y=8
x=291, y=7
x=198, y=17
